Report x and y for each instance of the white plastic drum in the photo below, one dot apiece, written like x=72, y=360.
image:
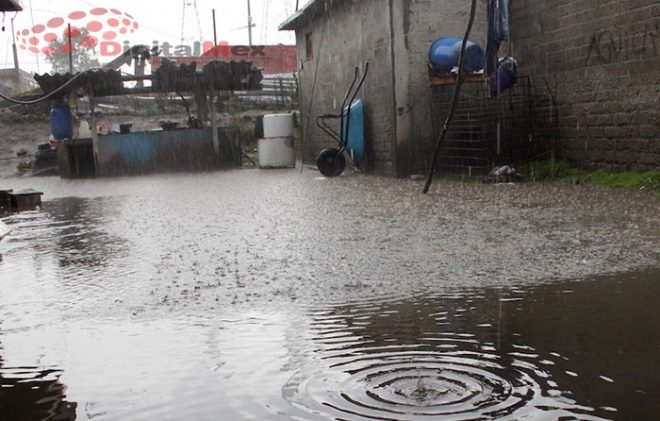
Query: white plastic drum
x=276, y=152
x=278, y=125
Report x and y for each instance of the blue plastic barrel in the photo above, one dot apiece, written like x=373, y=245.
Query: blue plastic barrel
x=445, y=52
x=61, y=122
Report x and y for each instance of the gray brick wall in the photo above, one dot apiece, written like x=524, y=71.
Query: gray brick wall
x=602, y=58
x=428, y=21
x=349, y=35
x=599, y=59
x=386, y=34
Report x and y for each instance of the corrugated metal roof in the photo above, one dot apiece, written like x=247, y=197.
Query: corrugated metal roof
x=169, y=77
x=216, y=74
x=308, y=11
x=99, y=82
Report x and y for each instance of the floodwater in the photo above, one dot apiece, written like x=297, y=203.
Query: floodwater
x=281, y=295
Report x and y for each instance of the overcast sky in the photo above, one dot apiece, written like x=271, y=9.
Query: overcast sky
x=131, y=22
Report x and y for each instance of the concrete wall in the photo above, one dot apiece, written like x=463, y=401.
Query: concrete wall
x=394, y=37
x=422, y=23
x=599, y=59
x=349, y=35
x=602, y=59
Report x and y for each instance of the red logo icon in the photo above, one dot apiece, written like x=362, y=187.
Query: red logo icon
x=104, y=26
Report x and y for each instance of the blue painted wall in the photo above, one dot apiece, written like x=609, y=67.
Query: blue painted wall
x=166, y=150
x=151, y=152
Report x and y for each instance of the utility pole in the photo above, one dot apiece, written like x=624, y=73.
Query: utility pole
x=249, y=24
x=215, y=37
x=13, y=46
x=70, y=49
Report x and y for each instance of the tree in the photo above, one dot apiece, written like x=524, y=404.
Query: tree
x=81, y=46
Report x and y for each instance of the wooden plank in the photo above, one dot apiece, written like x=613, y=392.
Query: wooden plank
x=450, y=79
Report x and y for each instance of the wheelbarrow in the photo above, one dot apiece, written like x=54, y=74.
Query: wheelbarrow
x=350, y=137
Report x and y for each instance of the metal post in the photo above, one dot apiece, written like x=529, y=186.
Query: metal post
x=215, y=37
x=249, y=24
x=70, y=49
x=13, y=45
x=95, y=137
x=214, y=125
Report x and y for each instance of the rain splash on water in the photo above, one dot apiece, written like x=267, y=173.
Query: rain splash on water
x=282, y=295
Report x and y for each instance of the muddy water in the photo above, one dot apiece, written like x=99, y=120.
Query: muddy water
x=280, y=295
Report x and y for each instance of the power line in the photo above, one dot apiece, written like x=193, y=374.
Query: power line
x=32, y=20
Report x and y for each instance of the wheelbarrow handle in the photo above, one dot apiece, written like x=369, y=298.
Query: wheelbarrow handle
x=344, y=132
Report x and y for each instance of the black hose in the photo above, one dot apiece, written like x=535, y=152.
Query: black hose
x=56, y=91
x=454, y=101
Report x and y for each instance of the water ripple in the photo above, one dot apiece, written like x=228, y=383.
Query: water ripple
x=421, y=384
x=394, y=362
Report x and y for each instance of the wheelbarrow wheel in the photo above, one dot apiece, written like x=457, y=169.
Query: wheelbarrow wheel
x=331, y=163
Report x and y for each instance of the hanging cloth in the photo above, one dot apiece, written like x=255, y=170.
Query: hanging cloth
x=498, y=31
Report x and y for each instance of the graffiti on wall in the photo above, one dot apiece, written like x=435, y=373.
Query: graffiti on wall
x=611, y=46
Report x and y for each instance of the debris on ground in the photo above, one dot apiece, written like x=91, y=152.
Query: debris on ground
x=503, y=174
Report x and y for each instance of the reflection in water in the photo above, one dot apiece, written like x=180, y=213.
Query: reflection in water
x=81, y=236
x=605, y=337
x=33, y=393
x=70, y=232
x=547, y=353
x=71, y=229
x=277, y=295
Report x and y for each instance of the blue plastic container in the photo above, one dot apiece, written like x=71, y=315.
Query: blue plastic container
x=445, y=53
x=61, y=122
x=505, y=77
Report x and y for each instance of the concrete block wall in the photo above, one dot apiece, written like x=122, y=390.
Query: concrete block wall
x=426, y=22
x=598, y=59
x=351, y=33
x=391, y=36
x=601, y=58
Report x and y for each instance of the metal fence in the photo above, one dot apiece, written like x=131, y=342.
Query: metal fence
x=276, y=92
x=486, y=131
